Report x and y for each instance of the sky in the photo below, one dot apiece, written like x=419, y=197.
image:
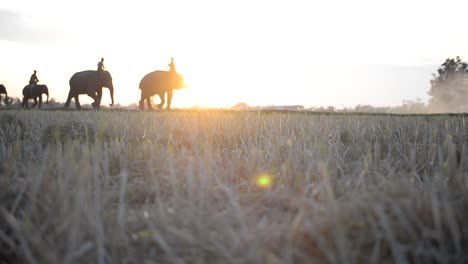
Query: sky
x=311, y=53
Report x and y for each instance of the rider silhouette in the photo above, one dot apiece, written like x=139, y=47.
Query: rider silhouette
x=100, y=66
x=171, y=66
x=33, y=80
x=100, y=69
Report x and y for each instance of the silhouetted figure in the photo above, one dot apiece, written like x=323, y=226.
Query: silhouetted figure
x=100, y=66
x=160, y=83
x=3, y=91
x=172, y=66
x=33, y=80
x=85, y=82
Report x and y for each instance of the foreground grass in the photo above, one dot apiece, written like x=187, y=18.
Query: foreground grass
x=181, y=187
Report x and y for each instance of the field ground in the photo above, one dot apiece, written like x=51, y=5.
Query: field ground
x=182, y=187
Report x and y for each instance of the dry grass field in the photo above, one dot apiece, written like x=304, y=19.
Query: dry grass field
x=232, y=187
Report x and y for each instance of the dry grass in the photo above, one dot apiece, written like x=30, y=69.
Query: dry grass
x=11, y=128
x=67, y=132
x=179, y=187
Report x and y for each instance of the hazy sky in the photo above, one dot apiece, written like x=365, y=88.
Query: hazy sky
x=314, y=53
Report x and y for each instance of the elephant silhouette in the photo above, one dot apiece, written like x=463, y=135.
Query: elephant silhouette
x=160, y=83
x=3, y=91
x=34, y=92
x=90, y=83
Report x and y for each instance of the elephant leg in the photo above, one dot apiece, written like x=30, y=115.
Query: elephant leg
x=35, y=102
x=40, y=101
x=141, y=104
x=169, y=98
x=67, y=103
x=148, y=103
x=161, y=96
x=97, y=100
x=77, y=103
x=94, y=96
x=25, y=102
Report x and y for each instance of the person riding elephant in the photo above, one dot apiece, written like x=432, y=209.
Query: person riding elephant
x=171, y=66
x=160, y=83
x=34, y=92
x=100, y=66
x=33, y=80
x=90, y=83
x=101, y=69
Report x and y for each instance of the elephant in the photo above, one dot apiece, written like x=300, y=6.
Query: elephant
x=90, y=83
x=33, y=92
x=160, y=83
x=3, y=91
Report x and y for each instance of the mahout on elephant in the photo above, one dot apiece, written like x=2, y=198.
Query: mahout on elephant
x=160, y=83
x=171, y=66
x=91, y=84
x=33, y=80
x=100, y=65
x=34, y=92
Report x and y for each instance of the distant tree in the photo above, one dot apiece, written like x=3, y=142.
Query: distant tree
x=240, y=106
x=330, y=108
x=410, y=106
x=54, y=103
x=322, y=109
x=449, y=89
x=368, y=109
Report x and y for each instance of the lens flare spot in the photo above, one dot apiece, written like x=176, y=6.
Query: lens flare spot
x=264, y=181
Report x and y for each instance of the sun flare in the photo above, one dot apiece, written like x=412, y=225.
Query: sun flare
x=264, y=181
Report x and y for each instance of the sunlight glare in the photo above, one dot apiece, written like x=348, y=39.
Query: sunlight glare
x=264, y=181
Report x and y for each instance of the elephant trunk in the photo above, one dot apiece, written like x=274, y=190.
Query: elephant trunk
x=111, y=90
x=47, y=93
x=181, y=82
